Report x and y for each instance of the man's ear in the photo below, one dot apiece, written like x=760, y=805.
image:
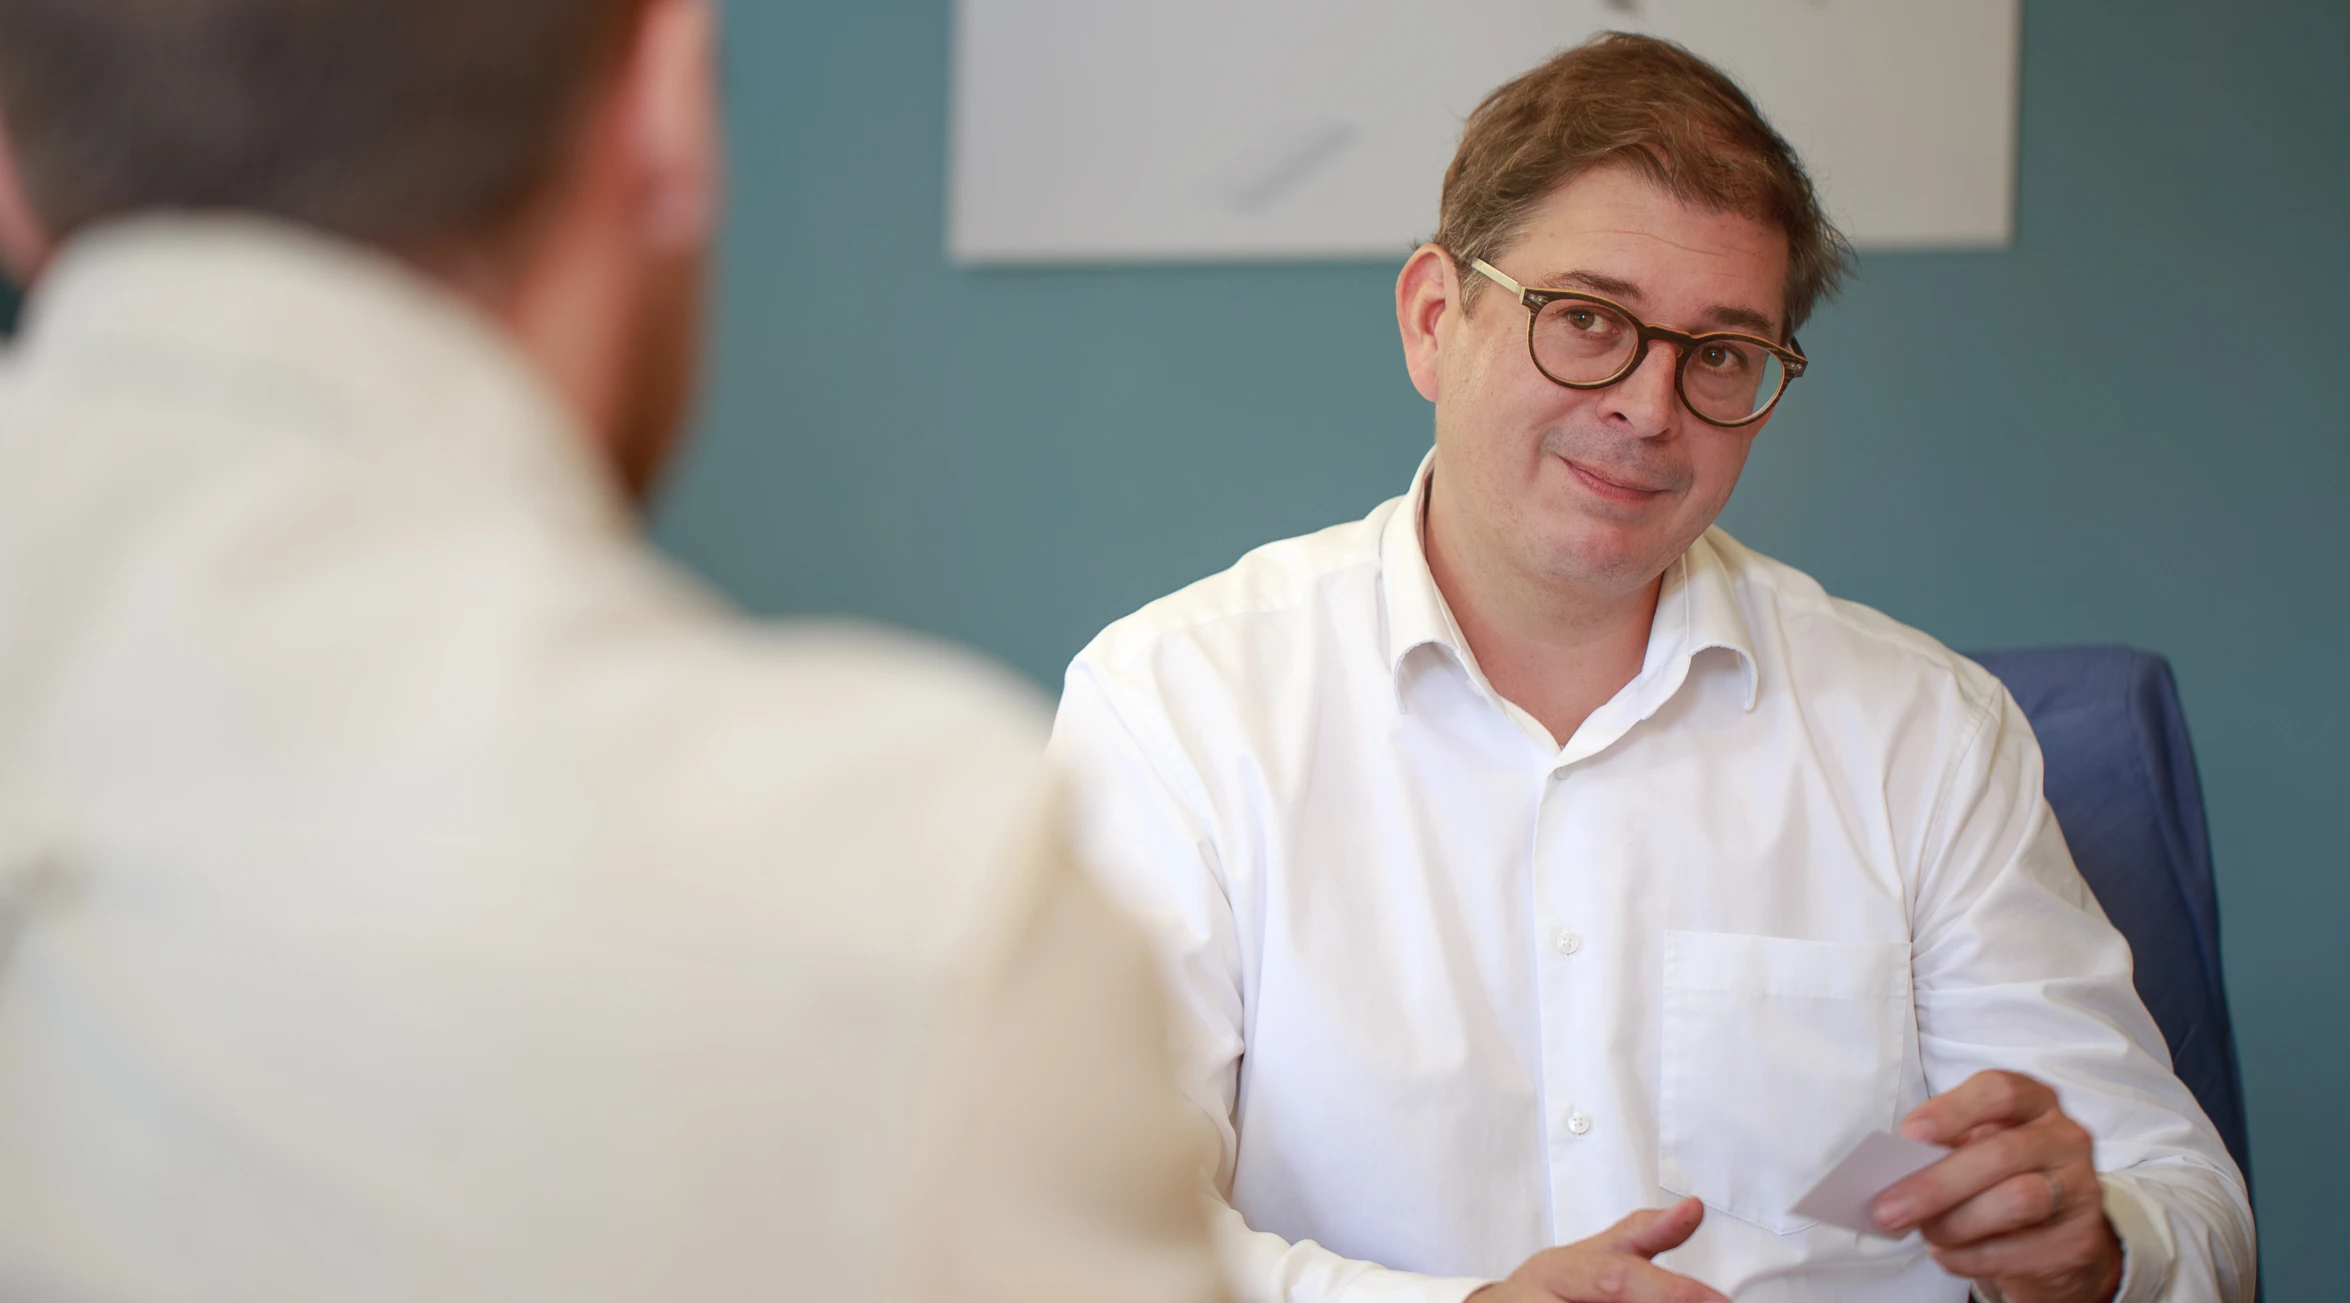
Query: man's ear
x=1427, y=297
x=25, y=245
x=670, y=120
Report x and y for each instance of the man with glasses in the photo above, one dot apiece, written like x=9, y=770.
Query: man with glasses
x=1540, y=867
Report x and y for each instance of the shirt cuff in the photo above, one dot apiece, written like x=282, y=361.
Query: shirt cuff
x=1410, y=1287
x=2146, y=1255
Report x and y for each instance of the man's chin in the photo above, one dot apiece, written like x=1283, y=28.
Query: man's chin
x=1608, y=560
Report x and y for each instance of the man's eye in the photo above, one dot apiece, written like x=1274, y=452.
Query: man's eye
x=1721, y=357
x=1585, y=319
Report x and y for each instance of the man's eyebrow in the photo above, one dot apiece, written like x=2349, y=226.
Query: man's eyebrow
x=1749, y=321
x=1595, y=283
x=1720, y=316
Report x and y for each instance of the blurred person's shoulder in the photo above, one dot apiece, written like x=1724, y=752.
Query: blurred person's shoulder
x=843, y=788
x=355, y=633
x=902, y=778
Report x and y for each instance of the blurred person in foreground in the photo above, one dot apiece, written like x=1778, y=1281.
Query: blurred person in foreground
x=410, y=888
x=1540, y=867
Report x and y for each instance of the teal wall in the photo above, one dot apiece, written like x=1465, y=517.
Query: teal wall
x=2130, y=427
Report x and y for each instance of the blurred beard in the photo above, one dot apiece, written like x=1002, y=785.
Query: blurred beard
x=664, y=369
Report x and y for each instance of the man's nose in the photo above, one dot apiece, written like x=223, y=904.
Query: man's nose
x=1646, y=401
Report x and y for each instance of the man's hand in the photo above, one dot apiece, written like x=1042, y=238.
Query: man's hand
x=1612, y=1266
x=2017, y=1203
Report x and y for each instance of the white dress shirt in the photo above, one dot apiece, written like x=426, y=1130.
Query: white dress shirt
x=412, y=889
x=1459, y=992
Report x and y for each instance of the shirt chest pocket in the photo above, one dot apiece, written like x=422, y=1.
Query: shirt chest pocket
x=1778, y=1056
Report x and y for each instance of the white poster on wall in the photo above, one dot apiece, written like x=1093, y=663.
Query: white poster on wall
x=1123, y=131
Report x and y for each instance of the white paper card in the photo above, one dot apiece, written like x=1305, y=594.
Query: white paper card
x=1843, y=1197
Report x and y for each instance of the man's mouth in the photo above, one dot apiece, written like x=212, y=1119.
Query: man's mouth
x=1614, y=487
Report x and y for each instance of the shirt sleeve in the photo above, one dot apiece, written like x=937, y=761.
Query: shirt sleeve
x=1064, y=1167
x=1143, y=823
x=2017, y=968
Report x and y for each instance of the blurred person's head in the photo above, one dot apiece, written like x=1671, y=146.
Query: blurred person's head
x=556, y=161
x=1631, y=169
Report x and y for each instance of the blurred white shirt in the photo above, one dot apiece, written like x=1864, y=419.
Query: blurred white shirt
x=412, y=889
x=1460, y=993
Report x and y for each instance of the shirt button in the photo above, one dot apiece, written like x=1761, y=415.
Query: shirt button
x=1578, y=1123
x=1568, y=943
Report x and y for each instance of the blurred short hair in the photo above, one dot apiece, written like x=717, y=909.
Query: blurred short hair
x=1650, y=105
x=405, y=123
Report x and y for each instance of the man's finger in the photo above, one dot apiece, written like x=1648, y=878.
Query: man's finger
x=1967, y=1172
x=1623, y=1278
x=1987, y=1098
x=2058, y=1247
x=1651, y=1231
x=1977, y=1133
x=2019, y=1203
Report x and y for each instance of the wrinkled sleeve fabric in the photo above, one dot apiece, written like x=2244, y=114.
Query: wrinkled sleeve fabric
x=1145, y=824
x=2016, y=968
x=1063, y=1166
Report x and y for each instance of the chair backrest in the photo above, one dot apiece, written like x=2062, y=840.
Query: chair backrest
x=2121, y=778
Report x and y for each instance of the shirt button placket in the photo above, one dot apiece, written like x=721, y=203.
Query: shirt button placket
x=1565, y=943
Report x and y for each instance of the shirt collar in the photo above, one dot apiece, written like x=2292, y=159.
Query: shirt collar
x=1416, y=612
x=1697, y=610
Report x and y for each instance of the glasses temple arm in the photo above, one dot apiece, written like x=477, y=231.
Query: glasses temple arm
x=1494, y=274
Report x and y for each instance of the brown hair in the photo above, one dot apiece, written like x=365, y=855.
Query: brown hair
x=407, y=123
x=1647, y=104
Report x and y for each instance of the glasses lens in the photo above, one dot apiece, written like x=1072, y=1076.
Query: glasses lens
x=1730, y=380
x=1583, y=343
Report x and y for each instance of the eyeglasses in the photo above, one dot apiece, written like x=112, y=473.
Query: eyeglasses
x=1584, y=341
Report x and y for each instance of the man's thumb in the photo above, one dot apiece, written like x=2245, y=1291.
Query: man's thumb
x=1651, y=1231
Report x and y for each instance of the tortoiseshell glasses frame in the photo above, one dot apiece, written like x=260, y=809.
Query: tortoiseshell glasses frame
x=1597, y=342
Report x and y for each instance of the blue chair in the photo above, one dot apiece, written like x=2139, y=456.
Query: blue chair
x=2121, y=778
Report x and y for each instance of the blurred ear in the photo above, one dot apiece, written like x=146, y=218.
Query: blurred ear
x=1426, y=298
x=24, y=239
x=669, y=119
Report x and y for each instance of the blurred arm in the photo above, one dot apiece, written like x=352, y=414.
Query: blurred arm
x=1066, y=1171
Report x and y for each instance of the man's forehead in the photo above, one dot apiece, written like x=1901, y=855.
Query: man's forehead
x=1613, y=231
